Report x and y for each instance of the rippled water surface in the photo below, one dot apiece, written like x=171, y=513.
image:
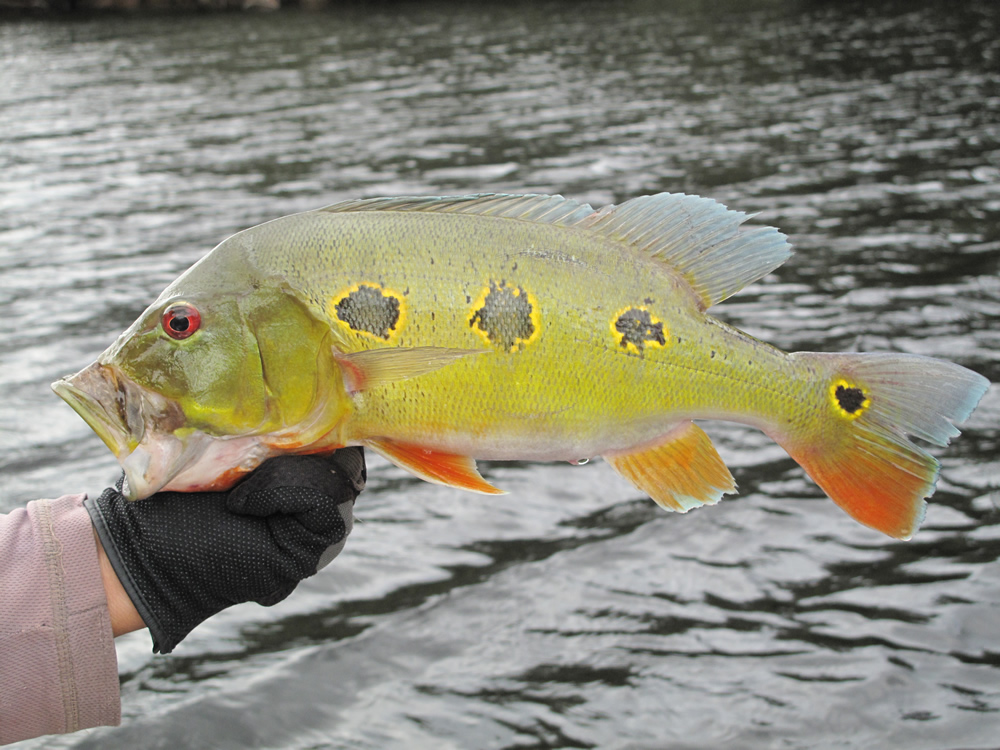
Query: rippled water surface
x=571, y=612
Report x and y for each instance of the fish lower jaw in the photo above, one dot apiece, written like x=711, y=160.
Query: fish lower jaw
x=198, y=463
x=90, y=393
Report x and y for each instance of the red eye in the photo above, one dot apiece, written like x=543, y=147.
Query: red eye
x=180, y=321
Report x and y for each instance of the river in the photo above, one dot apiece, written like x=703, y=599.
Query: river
x=573, y=613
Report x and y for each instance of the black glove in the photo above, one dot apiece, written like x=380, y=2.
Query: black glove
x=184, y=556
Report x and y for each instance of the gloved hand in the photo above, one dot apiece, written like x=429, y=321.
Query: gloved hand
x=184, y=556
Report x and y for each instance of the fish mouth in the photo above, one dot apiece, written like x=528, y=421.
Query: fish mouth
x=102, y=398
x=138, y=425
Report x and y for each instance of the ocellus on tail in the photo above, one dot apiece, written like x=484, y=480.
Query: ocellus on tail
x=438, y=331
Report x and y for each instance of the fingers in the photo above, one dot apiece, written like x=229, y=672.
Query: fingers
x=308, y=540
x=279, y=594
x=289, y=500
x=346, y=511
x=284, y=471
x=299, y=485
x=287, y=484
x=350, y=463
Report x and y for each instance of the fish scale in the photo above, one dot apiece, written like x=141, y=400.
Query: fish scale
x=438, y=331
x=527, y=382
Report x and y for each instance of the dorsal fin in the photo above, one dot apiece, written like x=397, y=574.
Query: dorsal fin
x=698, y=237
x=544, y=209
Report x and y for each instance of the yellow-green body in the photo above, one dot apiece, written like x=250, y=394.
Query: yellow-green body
x=571, y=391
x=440, y=331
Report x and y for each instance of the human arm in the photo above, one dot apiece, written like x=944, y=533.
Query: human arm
x=58, y=672
x=287, y=520
x=58, y=668
x=125, y=618
x=122, y=612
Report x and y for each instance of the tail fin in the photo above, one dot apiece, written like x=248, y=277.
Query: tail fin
x=860, y=453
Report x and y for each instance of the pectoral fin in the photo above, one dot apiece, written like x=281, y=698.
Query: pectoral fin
x=375, y=367
x=680, y=472
x=434, y=466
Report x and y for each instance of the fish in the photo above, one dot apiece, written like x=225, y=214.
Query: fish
x=438, y=331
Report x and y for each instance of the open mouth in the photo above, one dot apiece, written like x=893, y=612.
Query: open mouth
x=102, y=399
x=137, y=425
x=149, y=436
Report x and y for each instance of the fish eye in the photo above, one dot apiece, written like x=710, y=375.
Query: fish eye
x=180, y=321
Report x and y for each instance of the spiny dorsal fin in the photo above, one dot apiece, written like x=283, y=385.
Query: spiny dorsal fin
x=544, y=209
x=700, y=238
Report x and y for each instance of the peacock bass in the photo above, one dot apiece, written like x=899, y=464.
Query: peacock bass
x=438, y=331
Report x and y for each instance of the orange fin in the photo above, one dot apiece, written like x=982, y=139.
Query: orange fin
x=434, y=466
x=860, y=452
x=882, y=486
x=680, y=472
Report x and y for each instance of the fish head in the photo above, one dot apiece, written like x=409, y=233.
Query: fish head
x=206, y=384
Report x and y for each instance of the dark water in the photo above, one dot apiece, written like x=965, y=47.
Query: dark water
x=572, y=613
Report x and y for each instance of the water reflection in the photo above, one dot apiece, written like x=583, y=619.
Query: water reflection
x=573, y=613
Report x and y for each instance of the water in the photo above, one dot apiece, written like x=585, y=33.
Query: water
x=572, y=612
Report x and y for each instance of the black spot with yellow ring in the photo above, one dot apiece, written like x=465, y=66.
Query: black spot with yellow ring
x=370, y=309
x=850, y=399
x=506, y=316
x=636, y=328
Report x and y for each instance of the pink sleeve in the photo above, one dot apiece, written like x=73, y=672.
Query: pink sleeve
x=58, y=667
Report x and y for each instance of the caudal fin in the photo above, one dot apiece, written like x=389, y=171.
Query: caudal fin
x=859, y=450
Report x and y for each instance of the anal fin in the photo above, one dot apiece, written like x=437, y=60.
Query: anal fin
x=435, y=466
x=681, y=472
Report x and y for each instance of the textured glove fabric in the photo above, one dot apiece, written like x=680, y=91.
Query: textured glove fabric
x=184, y=556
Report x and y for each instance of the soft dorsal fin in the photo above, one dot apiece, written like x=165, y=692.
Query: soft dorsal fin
x=700, y=238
